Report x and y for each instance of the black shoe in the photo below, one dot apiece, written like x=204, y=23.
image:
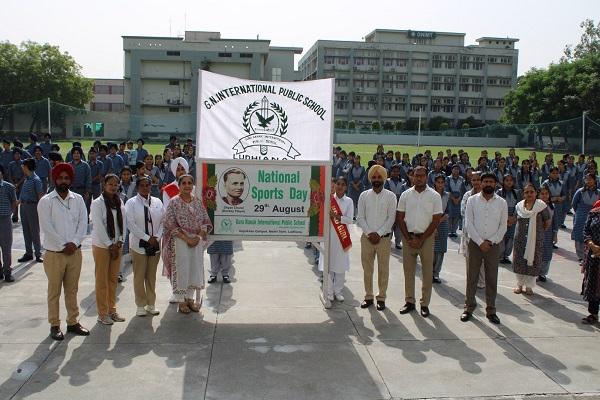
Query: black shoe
x=380, y=305
x=465, y=316
x=9, y=278
x=408, y=307
x=424, y=312
x=366, y=303
x=1, y=275
x=120, y=277
x=39, y=260
x=55, y=333
x=541, y=278
x=563, y=226
x=25, y=258
x=452, y=235
x=493, y=318
x=398, y=247
x=226, y=279
x=307, y=245
x=505, y=261
x=78, y=330
x=554, y=246
x=437, y=280
x=212, y=279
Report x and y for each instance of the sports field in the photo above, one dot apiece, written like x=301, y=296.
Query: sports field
x=366, y=151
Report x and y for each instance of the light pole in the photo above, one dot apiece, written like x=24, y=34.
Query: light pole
x=49, y=120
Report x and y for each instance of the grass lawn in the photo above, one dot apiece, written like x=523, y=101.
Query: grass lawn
x=366, y=151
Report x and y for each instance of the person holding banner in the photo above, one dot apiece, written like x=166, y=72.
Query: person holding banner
x=179, y=167
x=376, y=216
x=340, y=216
x=186, y=228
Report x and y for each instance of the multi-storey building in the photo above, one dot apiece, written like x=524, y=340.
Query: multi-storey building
x=108, y=96
x=161, y=75
x=399, y=75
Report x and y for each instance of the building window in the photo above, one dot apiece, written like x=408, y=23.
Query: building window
x=420, y=63
x=116, y=90
x=226, y=55
x=245, y=55
x=492, y=81
x=117, y=107
x=506, y=60
x=492, y=60
x=174, y=109
x=173, y=53
x=102, y=89
x=276, y=74
x=329, y=60
x=417, y=107
x=505, y=82
x=418, y=85
x=100, y=106
x=174, y=83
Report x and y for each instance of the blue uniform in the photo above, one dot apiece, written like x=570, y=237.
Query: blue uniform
x=96, y=168
x=43, y=169
x=558, y=189
x=117, y=163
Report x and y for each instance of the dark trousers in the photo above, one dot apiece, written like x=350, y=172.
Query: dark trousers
x=6, y=240
x=594, y=307
x=31, y=229
x=490, y=263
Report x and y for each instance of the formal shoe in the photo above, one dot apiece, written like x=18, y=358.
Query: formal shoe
x=9, y=278
x=226, y=279
x=366, y=303
x=151, y=310
x=541, y=278
x=78, y=330
x=116, y=317
x=554, y=246
x=25, y=258
x=398, y=247
x=56, y=333
x=212, y=279
x=563, y=226
x=141, y=312
x=408, y=307
x=380, y=305
x=105, y=320
x=465, y=316
x=339, y=298
x=120, y=277
x=307, y=245
x=590, y=319
x=505, y=261
x=39, y=260
x=437, y=280
x=569, y=213
x=493, y=318
x=424, y=312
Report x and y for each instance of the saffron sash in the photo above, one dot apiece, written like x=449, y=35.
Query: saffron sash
x=340, y=229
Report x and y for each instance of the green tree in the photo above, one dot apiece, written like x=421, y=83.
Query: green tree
x=398, y=125
x=444, y=126
x=375, y=125
x=588, y=44
x=388, y=126
x=352, y=124
x=33, y=72
x=435, y=122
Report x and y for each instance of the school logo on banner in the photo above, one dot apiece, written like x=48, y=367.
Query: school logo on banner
x=265, y=124
x=240, y=119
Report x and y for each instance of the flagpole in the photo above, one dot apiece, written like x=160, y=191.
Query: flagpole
x=419, y=130
x=49, y=120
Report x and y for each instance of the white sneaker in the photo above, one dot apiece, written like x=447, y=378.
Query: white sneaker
x=173, y=299
x=105, y=320
x=141, y=312
x=330, y=297
x=151, y=310
x=339, y=297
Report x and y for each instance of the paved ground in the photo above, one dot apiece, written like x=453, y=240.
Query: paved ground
x=267, y=336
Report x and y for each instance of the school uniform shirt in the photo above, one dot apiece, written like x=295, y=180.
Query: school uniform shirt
x=62, y=220
x=134, y=209
x=100, y=236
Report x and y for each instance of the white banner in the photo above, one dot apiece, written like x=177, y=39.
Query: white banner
x=258, y=120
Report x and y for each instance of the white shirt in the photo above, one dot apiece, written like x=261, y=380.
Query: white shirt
x=486, y=219
x=419, y=208
x=62, y=221
x=134, y=210
x=376, y=211
x=100, y=236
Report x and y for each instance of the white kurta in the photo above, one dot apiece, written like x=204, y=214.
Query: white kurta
x=339, y=259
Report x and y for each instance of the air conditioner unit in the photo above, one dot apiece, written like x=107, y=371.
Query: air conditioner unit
x=358, y=90
x=388, y=90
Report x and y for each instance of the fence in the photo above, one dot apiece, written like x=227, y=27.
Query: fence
x=18, y=120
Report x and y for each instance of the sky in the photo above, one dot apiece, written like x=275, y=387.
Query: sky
x=91, y=31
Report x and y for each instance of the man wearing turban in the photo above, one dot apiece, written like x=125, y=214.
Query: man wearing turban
x=376, y=216
x=179, y=166
x=64, y=221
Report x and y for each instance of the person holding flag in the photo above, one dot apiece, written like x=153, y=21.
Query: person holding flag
x=341, y=215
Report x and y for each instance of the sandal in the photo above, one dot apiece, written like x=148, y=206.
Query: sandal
x=183, y=308
x=518, y=290
x=193, y=306
x=529, y=292
x=590, y=319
